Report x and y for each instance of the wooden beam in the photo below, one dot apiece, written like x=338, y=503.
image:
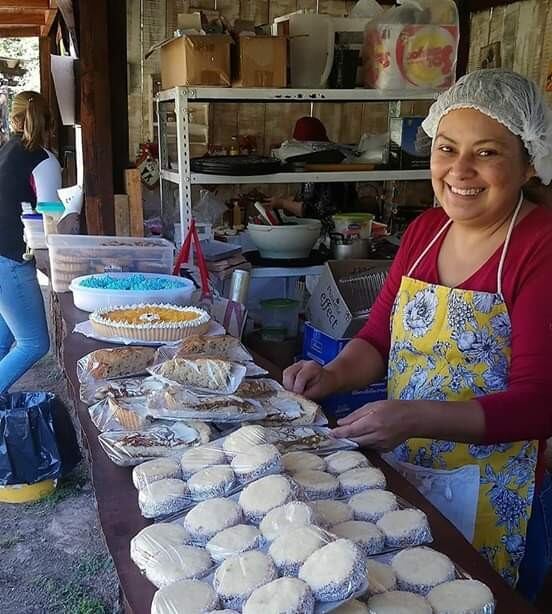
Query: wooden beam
x=50, y=19
x=475, y=6
x=464, y=18
x=96, y=117
x=29, y=4
x=22, y=17
x=19, y=32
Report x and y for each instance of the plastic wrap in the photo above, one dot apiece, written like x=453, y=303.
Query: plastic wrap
x=163, y=498
x=285, y=407
x=234, y=541
x=261, y=388
x=208, y=518
x=129, y=448
x=360, y=479
x=205, y=375
x=110, y=363
x=419, y=570
x=281, y=595
x=196, y=594
x=134, y=387
x=155, y=539
x=405, y=528
x=154, y=470
x=342, y=461
x=224, y=347
x=316, y=439
x=118, y=415
x=176, y=402
x=475, y=597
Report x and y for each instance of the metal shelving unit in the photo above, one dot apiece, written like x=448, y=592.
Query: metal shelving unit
x=181, y=97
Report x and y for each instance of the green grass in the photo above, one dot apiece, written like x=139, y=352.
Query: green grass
x=70, y=598
x=93, y=565
x=66, y=488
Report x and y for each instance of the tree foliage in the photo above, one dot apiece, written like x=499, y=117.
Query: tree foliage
x=24, y=49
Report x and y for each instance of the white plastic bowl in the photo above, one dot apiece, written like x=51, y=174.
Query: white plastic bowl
x=286, y=241
x=90, y=299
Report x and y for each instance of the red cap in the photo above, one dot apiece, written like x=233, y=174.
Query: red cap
x=309, y=129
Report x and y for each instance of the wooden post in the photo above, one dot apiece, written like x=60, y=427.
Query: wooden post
x=122, y=216
x=135, y=206
x=96, y=117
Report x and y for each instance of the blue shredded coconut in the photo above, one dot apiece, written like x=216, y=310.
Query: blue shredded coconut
x=134, y=281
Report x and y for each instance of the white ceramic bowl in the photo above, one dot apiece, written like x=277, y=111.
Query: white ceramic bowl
x=91, y=299
x=293, y=241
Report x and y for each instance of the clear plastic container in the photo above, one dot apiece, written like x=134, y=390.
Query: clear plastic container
x=33, y=232
x=74, y=256
x=280, y=319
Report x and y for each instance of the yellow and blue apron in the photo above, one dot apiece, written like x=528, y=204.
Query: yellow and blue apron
x=455, y=345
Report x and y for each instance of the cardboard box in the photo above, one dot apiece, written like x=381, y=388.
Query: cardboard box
x=319, y=346
x=410, y=147
x=328, y=308
x=260, y=61
x=196, y=60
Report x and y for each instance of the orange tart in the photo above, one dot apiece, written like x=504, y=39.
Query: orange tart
x=156, y=323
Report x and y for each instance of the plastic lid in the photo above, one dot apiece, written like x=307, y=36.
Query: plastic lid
x=355, y=216
x=51, y=208
x=279, y=303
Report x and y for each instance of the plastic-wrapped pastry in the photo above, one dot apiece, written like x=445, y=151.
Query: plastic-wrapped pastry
x=293, y=548
x=154, y=470
x=155, y=539
x=284, y=518
x=329, y=512
x=371, y=505
x=212, y=482
x=184, y=597
x=196, y=459
x=163, y=497
x=256, y=462
x=233, y=541
x=404, y=528
x=210, y=517
x=462, y=597
x=364, y=534
x=281, y=596
x=381, y=577
x=398, y=602
x=418, y=570
x=295, y=462
x=239, y=576
x=264, y=495
x=362, y=478
x=345, y=460
x=317, y=484
x=178, y=563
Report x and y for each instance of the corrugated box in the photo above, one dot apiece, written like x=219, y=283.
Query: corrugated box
x=341, y=301
x=319, y=346
x=196, y=60
x=260, y=61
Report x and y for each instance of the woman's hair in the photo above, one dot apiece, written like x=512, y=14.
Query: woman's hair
x=30, y=116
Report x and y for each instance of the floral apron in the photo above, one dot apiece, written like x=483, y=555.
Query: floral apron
x=455, y=345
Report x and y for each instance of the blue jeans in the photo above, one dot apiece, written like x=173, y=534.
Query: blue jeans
x=537, y=561
x=22, y=320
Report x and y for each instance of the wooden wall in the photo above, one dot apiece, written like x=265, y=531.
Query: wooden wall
x=524, y=31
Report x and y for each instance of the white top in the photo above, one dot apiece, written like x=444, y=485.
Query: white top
x=154, y=539
x=154, y=470
x=243, y=439
x=211, y=477
x=198, y=458
x=332, y=564
x=352, y=607
x=184, y=597
x=294, y=462
x=233, y=541
x=373, y=503
x=265, y=494
x=358, y=531
x=319, y=481
x=400, y=523
x=289, y=516
x=398, y=602
x=213, y=515
x=254, y=458
x=422, y=567
x=461, y=597
x=362, y=477
x=297, y=545
x=330, y=513
x=241, y=575
x=344, y=460
x=282, y=596
x=381, y=577
x=178, y=563
x=163, y=491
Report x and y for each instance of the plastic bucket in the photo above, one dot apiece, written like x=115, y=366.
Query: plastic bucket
x=280, y=319
x=354, y=224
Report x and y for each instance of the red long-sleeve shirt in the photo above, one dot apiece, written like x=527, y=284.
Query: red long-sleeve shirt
x=524, y=410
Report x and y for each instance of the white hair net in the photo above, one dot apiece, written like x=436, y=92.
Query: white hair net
x=510, y=99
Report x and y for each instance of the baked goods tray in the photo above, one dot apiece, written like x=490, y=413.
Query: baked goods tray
x=85, y=328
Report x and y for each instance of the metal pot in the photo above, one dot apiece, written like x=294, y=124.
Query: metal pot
x=349, y=248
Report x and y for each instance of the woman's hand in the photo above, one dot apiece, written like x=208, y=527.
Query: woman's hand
x=381, y=425
x=310, y=379
x=287, y=204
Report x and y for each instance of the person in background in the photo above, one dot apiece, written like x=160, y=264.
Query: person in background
x=28, y=173
x=463, y=330
x=316, y=200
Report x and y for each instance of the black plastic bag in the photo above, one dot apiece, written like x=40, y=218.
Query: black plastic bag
x=29, y=450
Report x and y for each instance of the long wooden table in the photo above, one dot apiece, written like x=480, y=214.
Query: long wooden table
x=120, y=516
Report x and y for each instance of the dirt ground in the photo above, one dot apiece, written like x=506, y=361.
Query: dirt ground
x=53, y=559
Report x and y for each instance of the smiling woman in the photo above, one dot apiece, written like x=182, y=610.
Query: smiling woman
x=463, y=328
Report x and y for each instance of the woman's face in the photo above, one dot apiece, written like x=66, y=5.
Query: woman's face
x=477, y=168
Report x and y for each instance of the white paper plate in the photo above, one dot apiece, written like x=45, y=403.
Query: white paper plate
x=85, y=328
